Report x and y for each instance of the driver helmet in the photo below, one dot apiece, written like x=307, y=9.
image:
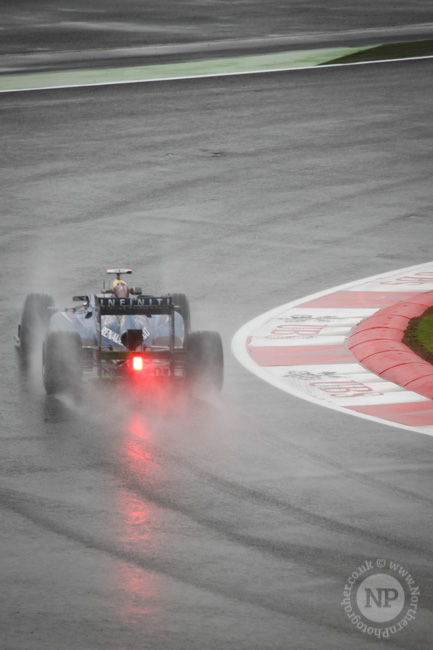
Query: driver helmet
x=120, y=289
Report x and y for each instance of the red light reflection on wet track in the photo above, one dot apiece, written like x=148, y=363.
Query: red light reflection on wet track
x=135, y=529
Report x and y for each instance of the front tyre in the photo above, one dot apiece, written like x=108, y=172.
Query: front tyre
x=35, y=318
x=62, y=360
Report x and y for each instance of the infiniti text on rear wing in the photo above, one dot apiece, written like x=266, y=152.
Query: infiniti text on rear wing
x=144, y=305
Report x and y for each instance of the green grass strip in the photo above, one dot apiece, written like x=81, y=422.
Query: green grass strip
x=419, y=335
x=388, y=52
x=223, y=66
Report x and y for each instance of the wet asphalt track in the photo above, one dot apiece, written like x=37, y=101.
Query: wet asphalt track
x=233, y=524
x=61, y=26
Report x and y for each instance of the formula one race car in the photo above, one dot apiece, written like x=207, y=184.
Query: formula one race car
x=117, y=334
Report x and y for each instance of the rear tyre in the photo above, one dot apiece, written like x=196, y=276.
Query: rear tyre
x=36, y=314
x=182, y=301
x=62, y=359
x=205, y=361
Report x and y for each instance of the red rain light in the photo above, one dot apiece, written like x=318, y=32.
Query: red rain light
x=137, y=363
